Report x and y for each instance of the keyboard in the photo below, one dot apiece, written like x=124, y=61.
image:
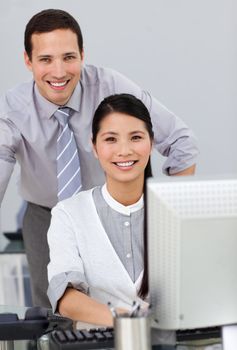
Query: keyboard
x=101, y=338
x=198, y=334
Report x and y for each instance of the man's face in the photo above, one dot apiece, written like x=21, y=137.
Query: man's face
x=56, y=64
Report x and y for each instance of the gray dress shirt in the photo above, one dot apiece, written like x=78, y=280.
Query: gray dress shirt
x=28, y=133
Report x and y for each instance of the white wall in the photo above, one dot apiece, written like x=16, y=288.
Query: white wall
x=184, y=52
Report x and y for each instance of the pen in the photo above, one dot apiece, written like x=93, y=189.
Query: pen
x=135, y=309
x=112, y=310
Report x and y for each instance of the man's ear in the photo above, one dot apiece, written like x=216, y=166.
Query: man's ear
x=94, y=149
x=28, y=62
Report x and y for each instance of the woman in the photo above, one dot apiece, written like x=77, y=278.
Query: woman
x=96, y=237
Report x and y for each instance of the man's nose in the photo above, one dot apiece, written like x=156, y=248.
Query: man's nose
x=58, y=70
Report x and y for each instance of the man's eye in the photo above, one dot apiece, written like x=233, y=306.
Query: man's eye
x=45, y=59
x=69, y=58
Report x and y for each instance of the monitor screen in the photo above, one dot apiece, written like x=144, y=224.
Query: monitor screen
x=192, y=251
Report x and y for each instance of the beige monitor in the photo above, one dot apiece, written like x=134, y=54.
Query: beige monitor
x=192, y=251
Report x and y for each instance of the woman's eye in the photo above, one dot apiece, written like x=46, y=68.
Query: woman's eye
x=110, y=139
x=136, y=137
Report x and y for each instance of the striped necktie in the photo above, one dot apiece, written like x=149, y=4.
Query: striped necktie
x=68, y=165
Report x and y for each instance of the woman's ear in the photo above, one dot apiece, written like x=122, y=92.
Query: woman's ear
x=94, y=149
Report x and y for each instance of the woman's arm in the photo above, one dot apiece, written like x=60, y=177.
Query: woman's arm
x=80, y=307
x=65, y=261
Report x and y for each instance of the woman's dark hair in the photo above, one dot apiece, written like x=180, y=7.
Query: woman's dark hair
x=47, y=21
x=128, y=104
x=121, y=103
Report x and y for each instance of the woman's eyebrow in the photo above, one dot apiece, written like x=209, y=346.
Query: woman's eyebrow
x=109, y=133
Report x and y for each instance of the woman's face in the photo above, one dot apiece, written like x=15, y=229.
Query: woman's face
x=123, y=147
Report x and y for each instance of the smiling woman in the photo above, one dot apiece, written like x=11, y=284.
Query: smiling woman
x=123, y=145
x=105, y=224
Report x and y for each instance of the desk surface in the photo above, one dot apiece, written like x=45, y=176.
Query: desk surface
x=19, y=310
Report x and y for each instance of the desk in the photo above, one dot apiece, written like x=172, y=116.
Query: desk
x=43, y=344
x=14, y=275
x=19, y=344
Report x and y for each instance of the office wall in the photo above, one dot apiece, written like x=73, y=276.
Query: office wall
x=184, y=52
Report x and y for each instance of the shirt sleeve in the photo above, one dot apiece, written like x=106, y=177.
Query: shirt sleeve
x=8, y=141
x=172, y=137
x=65, y=268
x=5, y=174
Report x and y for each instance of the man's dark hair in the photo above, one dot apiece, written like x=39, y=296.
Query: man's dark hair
x=47, y=21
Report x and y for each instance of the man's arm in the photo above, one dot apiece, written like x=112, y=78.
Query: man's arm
x=5, y=174
x=172, y=137
x=186, y=172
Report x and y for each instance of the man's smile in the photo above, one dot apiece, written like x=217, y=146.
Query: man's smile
x=58, y=85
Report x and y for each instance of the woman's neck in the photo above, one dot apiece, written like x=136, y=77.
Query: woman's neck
x=126, y=193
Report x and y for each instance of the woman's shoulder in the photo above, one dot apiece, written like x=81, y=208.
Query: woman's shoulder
x=83, y=199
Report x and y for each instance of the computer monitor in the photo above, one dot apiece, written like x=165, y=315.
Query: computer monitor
x=192, y=251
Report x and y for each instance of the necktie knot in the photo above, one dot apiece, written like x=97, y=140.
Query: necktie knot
x=62, y=115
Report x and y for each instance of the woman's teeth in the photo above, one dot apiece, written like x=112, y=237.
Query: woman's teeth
x=125, y=164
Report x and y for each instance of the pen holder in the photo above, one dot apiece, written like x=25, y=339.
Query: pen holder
x=132, y=333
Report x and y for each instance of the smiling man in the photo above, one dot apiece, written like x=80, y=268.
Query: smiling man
x=33, y=129
x=56, y=63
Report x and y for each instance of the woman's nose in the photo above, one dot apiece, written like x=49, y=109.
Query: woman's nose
x=124, y=149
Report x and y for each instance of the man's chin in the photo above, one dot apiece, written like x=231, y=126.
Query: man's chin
x=58, y=98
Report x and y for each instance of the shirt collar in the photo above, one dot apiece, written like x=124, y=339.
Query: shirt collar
x=126, y=210
x=46, y=108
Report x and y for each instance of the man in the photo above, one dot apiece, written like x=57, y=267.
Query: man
x=30, y=129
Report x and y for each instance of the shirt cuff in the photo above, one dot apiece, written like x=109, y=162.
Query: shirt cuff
x=173, y=166
x=60, y=282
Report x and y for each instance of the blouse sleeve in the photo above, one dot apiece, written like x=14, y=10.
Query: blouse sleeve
x=65, y=268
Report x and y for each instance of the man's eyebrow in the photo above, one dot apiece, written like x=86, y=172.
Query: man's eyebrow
x=64, y=54
x=44, y=56
x=70, y=53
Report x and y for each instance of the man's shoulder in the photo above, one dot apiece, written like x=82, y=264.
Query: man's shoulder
x=17, y=98
x=107, y=80
x=93, y=74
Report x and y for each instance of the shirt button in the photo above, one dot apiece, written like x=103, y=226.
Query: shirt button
x=127, y=223
x=128, y=255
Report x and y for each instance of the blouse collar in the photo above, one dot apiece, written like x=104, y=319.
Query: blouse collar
x=126, y=210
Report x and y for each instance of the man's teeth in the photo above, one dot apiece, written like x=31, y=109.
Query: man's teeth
x=125, y=164
x=59, y=84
